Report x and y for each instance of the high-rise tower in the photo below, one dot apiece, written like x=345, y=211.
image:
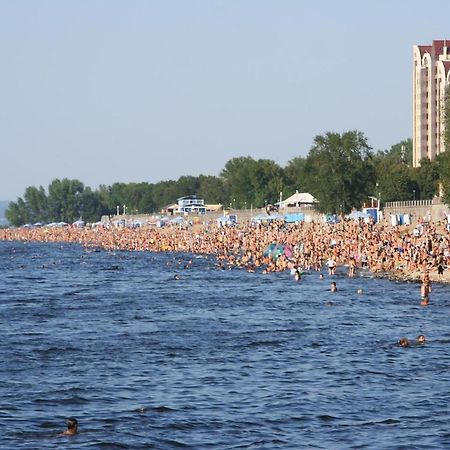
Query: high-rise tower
x=431, y=78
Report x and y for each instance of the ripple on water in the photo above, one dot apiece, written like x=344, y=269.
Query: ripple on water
x=217, y=359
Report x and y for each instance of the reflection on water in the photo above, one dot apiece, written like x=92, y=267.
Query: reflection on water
x=216, y=359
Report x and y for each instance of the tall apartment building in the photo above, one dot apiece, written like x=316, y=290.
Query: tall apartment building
x=431, y=78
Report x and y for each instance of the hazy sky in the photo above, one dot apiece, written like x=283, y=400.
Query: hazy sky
x=131, y=91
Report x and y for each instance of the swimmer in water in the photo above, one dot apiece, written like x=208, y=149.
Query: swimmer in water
x=425, y=288
x=333, y=287
x=425, y=301
x=403, y=342
x=421, y=339
x=359, y=291
x=298, y=275
x=72, y=427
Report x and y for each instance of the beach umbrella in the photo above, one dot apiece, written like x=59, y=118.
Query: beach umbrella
x=269, y=249
x=288, y=251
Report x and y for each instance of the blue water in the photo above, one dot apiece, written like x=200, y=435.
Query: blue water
x=220, y=359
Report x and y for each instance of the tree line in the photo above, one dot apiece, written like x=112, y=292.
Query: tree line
x=341, y=171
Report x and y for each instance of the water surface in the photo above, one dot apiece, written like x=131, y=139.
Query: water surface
x=219, y=359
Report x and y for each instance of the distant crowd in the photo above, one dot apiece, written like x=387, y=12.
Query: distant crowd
x=312, y=246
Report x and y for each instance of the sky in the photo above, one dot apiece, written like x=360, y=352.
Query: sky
x=107, y=91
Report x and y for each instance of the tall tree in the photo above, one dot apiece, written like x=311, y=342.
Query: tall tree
x=401, y=152
x=250, y=182
x=394, y=179
x=295, y=176
x=17, y=213
x=426, y=177
x=37, y=204
x=64, y=200
x=339, y=171
x=444, y=174
x=212, y=189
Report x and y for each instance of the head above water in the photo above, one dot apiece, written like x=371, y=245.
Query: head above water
x=72, y=423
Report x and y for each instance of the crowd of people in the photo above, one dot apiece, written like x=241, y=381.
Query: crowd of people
x=357, y=245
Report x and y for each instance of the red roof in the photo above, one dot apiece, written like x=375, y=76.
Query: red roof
x=438, y=47
x=424, y=49
x=446, y=66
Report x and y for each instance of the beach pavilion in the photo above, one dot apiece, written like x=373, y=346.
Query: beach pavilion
x=299, y=199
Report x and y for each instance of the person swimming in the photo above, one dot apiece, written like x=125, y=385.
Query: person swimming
x=403, y=342
x=333, y=287
x=72, y=427
x=421, y=339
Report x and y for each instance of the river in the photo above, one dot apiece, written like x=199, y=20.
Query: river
x=217, y=359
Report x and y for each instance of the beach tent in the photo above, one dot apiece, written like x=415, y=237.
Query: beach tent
x=178, y=221
x=227, y=220
x=298, y=199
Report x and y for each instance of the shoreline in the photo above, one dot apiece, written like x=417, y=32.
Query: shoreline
x=388, y=252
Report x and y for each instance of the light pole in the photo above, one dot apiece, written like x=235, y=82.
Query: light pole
x=414, y=194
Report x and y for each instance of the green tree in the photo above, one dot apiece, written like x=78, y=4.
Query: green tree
x=295, y=176
x=394, y=180
x=212, y=189
x=64, y=200
x=339, y=171
x=443, y=161
x=165, y=193
x=90, y=206
x=402, y=152
x=37, y=204
x=17, y=213
x=187, y=185
x=251, y=182
x=426, y=177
